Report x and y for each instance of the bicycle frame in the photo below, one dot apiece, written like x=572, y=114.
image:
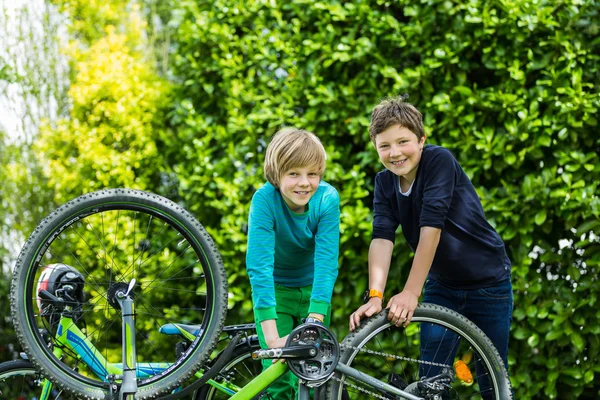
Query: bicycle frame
x=269, y=375
x=69, y=336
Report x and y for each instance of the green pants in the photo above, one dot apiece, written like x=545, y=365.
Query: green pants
x=292, y=306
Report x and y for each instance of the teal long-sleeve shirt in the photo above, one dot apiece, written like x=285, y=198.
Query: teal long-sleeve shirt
x=292, y=249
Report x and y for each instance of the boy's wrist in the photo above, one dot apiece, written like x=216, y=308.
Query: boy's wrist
x=319, y=317
x=270, y=331
x=372, y=293
x=375, y=300
x=413, y=289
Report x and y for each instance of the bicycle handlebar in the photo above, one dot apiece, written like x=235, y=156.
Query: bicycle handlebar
x=56, y=301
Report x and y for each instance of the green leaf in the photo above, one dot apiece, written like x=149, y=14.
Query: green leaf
x=588, y=376
x=540, y=217
x=588, y=226
x=562, y=134
x=572, y=372
x=578, y=341
x=544, y=141
x=553, y=335
x=510, y=158
x=519, y=314
x=533, y=340
x=520, y=333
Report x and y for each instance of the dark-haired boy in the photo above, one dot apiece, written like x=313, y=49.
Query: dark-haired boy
x=460, y=260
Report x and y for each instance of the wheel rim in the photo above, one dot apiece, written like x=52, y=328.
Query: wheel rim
x=404, y=374
x=116, y=242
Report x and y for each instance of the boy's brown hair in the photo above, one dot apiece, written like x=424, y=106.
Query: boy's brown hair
x=293, y=148
x=396, y=111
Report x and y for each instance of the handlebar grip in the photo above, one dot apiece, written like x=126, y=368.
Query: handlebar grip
x=46, y=295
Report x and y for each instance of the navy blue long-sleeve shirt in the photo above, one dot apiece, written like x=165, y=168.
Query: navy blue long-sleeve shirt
x=470, y=253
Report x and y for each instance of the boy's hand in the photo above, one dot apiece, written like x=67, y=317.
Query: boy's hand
x=402, y=307
x=277, y=342
x=370, y=308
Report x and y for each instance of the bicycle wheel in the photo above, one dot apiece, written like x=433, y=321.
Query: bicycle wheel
x=240, y=370
x=461, y=362
x=20, y=380
x=108, y=238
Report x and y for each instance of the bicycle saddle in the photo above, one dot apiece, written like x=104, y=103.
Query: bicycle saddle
x=175, y=329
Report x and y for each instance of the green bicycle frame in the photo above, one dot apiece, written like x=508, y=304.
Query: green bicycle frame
x=68, y=335
x=256, y=385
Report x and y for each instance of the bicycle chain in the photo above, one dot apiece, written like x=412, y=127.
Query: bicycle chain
x=379, y=353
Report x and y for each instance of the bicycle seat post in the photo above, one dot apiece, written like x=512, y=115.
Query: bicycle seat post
x=129, y=383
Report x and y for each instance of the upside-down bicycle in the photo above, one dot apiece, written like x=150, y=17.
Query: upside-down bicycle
x=145, y=263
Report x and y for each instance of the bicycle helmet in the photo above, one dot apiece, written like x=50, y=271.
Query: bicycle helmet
x=62, y=281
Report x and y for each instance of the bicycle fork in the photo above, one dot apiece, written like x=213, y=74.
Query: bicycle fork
x=129, y=381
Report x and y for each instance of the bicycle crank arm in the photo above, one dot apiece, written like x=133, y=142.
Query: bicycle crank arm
x=375, y=383
x=294, y=352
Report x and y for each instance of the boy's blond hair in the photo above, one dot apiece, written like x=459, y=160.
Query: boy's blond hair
x=396, y=111
x=293, y=148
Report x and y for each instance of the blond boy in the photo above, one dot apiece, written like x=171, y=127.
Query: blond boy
x=293, y=242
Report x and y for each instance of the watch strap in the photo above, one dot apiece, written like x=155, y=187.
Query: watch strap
x=372, y=293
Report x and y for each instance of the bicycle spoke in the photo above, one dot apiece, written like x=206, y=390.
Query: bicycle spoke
x=422, y=363
x=168, y=266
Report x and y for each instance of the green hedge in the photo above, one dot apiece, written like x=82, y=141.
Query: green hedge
x=509, y=87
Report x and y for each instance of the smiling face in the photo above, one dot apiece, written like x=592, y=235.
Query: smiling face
x=399, y=150
x=298, y=185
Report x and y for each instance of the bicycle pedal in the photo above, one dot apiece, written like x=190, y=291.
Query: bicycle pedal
x=180, y=348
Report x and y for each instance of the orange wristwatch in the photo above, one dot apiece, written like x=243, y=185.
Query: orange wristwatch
x=372, y=293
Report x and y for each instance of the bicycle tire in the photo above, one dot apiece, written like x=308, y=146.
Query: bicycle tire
x=366, y=337
x=240, y=369
x=20, y=380
x=102, y=229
